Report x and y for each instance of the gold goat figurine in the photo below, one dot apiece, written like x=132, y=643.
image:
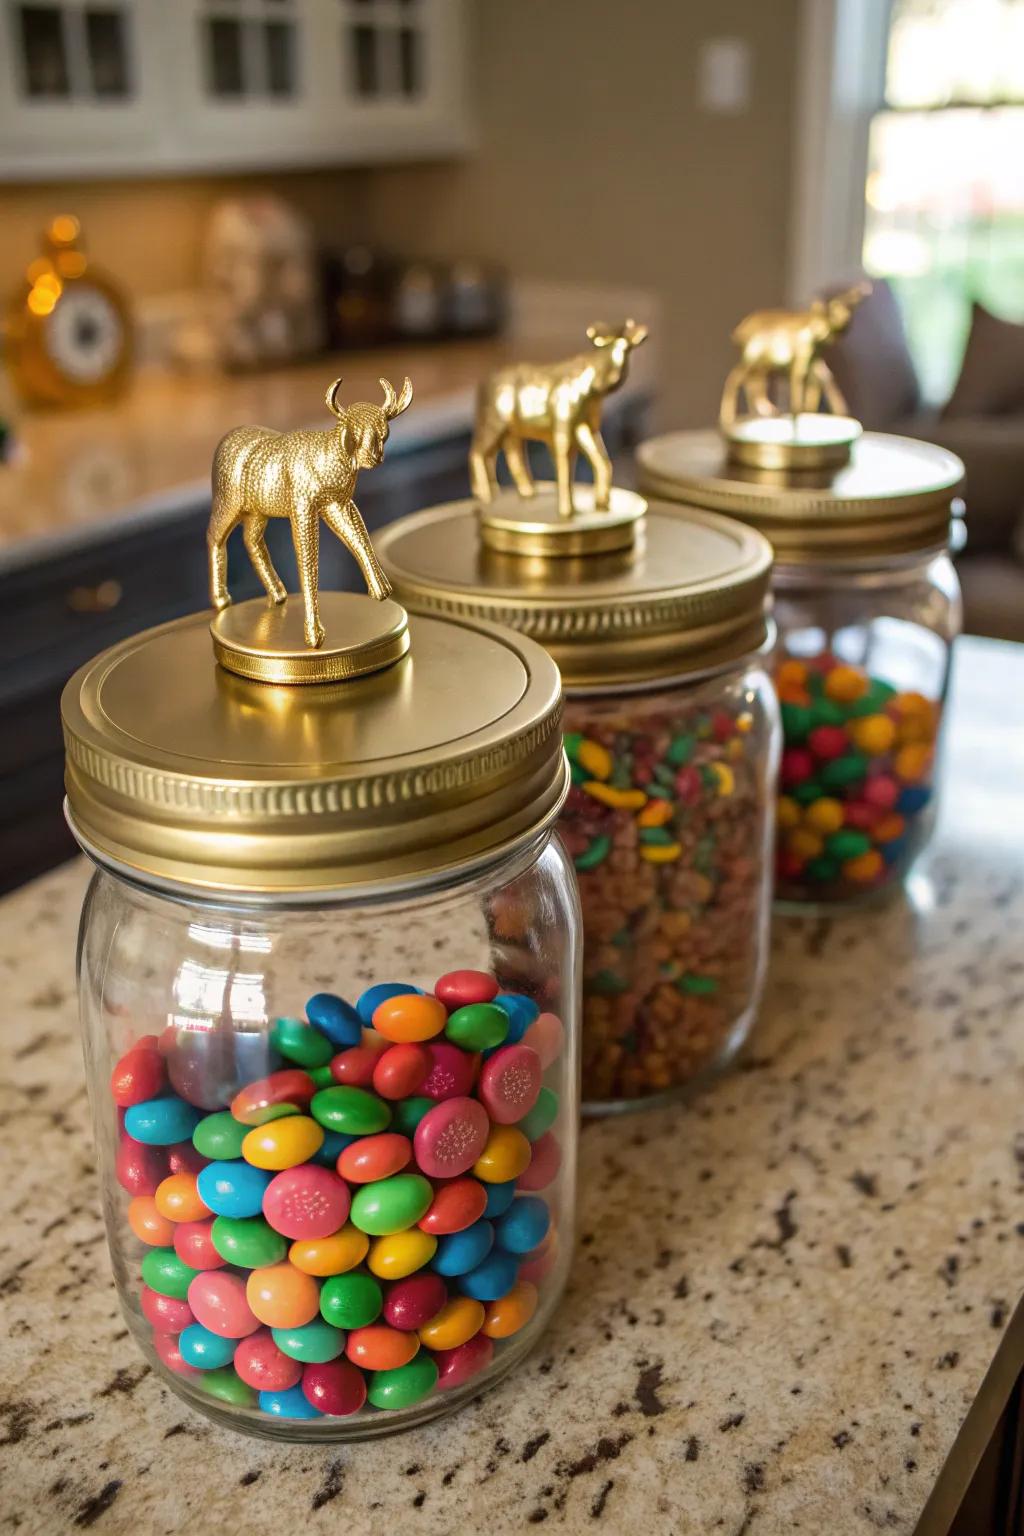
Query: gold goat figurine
x=787, y=341
x=554, y=403
x=304, y=476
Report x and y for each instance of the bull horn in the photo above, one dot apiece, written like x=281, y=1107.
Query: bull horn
x=331, y=400
x=394, y=406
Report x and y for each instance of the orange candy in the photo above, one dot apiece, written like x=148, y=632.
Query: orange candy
x=177, y=1197
x=457, y=1322
x=374, y=1157
x=410, y=1017
x=864, y=868
x=510, y=1312
x=791, y=672
x=912, y=763
x=791, y=693
x=804, y=843
x=332, y=1255
x=889, y=828
x=148, y=1224
x=845, y=684
x=380, y=1348
x=281, y=1296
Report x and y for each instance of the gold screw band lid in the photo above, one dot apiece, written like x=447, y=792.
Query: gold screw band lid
x=892, y=498
x=190, y=776
x=688, y=596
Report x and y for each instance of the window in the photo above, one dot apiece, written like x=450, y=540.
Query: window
x=249, y=49
x=384, y=48
x=945, y=185
x=72, y=52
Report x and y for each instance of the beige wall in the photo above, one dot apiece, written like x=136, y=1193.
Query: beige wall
x=595, y=164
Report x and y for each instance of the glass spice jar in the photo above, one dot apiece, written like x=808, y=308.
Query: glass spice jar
x=656, y=618
x=328, y=971
x=867, y=604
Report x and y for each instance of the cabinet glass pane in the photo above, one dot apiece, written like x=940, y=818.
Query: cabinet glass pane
x=44, y=60
x=108, y=53
x=410, y=61
x=223, y=52
x=365, y=67
x=279, y=52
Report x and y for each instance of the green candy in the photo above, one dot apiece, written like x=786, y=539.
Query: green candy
x=406, y=1385
x=847, y=844
x=572, y=741
x=322, y=1076
x=229, y=1387
x=680, y=750
x=796, y=722
x=807, y=792
x=606, y=984
x=247, y=1240
x=352, y=1111
x=596, y=854
x=299, y=1042
x=478, y=1026
x=660, y=836
x=825, y=711
x=873, y=702
x=842, y=771
x=577, y=774
x=698, y=986
x=822, y=871
x=220, y=1136
x=315, y=1342
x=351, y=1301
x=409, y=1112
x=541, y=1117
x=665, y=775
x=391, y=1205
x=165, y=1273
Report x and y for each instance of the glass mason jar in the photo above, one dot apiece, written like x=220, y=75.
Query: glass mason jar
x=867, y=605
x=672, y=738
x=329, y=987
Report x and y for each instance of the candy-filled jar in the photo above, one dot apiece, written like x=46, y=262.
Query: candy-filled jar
x=867, y=604
x=657, y=621
x=329, y=987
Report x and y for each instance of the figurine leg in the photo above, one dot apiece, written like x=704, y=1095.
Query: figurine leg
x=518, y=468
x=306, y=538
x=798, y=372
x=758, y=402
x=563, y=454
x=591, y=444
x=254, y=534
x=825, y=382
x=222, y=520
x=483, y=462
x=347, y=524
x=730, y=395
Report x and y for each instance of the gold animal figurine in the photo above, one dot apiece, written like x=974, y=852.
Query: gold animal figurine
x=554, y=403
x=786, y=341
x=304, y=476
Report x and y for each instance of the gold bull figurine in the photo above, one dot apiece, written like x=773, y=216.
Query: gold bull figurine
x=787, y=341
x=304, y=476
x=554, y=403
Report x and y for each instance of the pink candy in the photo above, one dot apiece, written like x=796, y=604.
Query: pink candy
x=546, y=1036
x=459, y=988
x=165, y=1314
x=544, y=1164
x=218, y=1300
x=166, y=1346
x=451, y=1137
x=194, y=1245
x=510, y=1082
x=451, y=1071
x=260, y=1364
x=306, y=1201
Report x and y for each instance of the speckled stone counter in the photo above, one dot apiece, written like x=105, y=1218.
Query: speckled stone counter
x=785, y=1297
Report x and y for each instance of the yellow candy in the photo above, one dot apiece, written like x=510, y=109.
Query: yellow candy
x=511, y=1312
x=506, y=1155
x=745, y=721
x=724, y=774
x=456, y=1322
x=597, y=760
x=402, y=1253
x=804, y=843
x=912, y=763
x=864, y=868
x=283, y=1143
x=619, y=799
x=330, y=1255
x=873, y=734
x=655, y=813
x=824, y=815
x=787, y=812
x=845, y=684
x=660, y=853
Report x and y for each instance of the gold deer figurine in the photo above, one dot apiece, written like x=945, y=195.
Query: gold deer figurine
x=554, y=403
x=304, y=476
x=787, y=341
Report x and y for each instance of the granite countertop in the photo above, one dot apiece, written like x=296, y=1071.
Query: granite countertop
x=785, y=1297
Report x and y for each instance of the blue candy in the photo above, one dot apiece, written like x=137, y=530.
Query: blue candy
x=162, y=1122
x=336, y=1019
x=205, y=1350
x=459, y=1252
x=913, y=798
x=893, y=852
x=233, y=1189
x=331, y=1148
x=290, y=1404
x=372, y=998
x=493, y=1278
x=521, y=1010
x=499, y=1198
x=524, y=1225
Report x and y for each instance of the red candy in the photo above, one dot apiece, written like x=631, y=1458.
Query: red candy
x=374, y=1157
x=451, y=1071
x=139, y=1169
x=414, y=1301
x=138, y=1076
x=688, y=785
x=194, y=1245
x=828, y=741
x=183, y=1158
x=218, y=1300
x=164, y=1314
x=788, y=864
x=456, y=989
x=451, y=1137
x=260, y=1364
x=543, y=1165
x=510, y=1083
x=306, y=1201
x=455, y=1206
x=354, y=1067
x=337, y=1387
x=861, y=814
x=797, y=765
x=251, y=1103
x=454, y=1366
x=881, y=790
x=166, y=1346
x=399, y=1071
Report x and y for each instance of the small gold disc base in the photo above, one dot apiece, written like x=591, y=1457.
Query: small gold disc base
x=532, y=525
x=812, y=440
x=264, y=641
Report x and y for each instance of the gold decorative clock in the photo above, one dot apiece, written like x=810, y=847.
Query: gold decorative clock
x=69, y=331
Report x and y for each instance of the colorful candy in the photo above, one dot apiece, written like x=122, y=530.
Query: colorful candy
x=306, y=1202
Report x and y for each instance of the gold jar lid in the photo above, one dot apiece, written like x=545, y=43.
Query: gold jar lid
x=186, y=775
x=688, y=596
x=893, y=497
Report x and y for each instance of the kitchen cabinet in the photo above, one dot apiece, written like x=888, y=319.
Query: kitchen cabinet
x=126, y=87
